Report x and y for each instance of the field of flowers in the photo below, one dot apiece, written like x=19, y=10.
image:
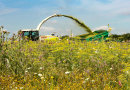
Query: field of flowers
x=64, y=64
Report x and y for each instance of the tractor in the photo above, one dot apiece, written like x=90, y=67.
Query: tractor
x=33, y=34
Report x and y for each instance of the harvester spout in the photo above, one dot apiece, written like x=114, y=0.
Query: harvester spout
x=86, y=28
x=43, y=21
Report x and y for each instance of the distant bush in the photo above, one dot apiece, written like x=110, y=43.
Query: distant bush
x=123, y=37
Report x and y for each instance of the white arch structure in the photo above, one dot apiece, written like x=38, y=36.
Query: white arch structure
x=59, y=15
x=43, y=21
x=86, y=28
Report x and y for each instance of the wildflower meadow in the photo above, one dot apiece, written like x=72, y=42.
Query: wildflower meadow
x=64, y=65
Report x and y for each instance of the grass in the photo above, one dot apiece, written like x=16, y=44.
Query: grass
x=65, y=64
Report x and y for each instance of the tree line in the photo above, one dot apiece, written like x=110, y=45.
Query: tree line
x=123, y=37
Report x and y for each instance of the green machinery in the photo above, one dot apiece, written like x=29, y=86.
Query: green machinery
x=97, y=35
x=33, y=34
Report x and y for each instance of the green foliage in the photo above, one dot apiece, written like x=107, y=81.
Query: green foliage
x=123, y=37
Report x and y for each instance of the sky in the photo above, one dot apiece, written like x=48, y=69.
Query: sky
x=96, y=14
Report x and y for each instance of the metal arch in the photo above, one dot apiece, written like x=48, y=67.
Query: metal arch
x=59, y=15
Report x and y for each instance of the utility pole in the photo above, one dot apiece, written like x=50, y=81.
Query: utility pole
x=71, y=34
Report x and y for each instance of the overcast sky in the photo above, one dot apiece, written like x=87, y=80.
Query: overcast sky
x=96, y=14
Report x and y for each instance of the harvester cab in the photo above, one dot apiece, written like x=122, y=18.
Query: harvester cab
x=30, y=34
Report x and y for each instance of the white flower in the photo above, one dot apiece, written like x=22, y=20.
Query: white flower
x=96, y=51
x=13, y=83
x=110, y=47
x=26, y=71
x=110, y=68
x=40, y=68
x=39, y=75
x=29, y=68
x=93, y=80
x=21, y=87
x=127, y=72
x=87, y=79
x=8, y=64
x=80, y=48
x=42, y=77
x=35, y=73
x=67, y=72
